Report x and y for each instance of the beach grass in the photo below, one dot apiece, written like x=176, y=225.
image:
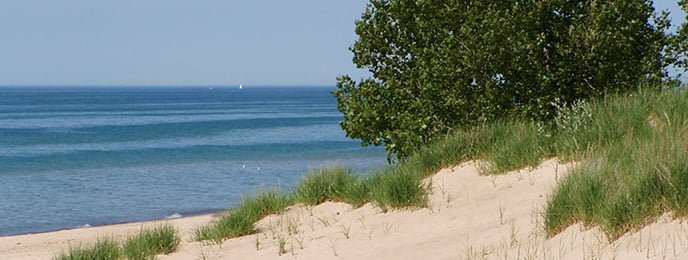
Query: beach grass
x=146, y=244
x=103, y=249
x=331, y=184
x=632, y=151
x=502, y=146
x=635, y=169
x=240, y=220
x=163, y=239
x=398, y=187
x=511, y=145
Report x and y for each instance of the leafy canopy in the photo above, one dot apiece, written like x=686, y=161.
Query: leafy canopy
x=441, y=64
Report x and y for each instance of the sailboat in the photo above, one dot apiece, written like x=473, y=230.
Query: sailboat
x=241, y=86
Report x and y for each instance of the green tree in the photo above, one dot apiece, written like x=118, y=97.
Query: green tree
x=441, y=64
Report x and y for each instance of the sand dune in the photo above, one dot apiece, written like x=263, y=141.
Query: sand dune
x=470, y=217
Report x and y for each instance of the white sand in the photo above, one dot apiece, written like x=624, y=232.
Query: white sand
x=470, y=217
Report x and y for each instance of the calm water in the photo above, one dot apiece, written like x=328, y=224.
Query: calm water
x=71, y=157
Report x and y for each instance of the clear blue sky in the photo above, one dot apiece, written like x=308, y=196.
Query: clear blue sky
x=180, y=42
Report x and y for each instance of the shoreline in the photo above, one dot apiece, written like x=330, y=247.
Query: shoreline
x=47, y=244
x=87, y=225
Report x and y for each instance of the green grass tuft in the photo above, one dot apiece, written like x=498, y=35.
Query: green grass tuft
x=398, y=187
x=146, y=245
x=331, y=184
x=240, y=220
x=511, y=146
x=575, y=199
x=150, y=242
x=103, y=249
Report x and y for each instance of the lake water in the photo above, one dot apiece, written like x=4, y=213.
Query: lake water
x=75, y=156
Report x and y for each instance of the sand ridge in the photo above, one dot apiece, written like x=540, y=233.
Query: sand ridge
x=469, y=217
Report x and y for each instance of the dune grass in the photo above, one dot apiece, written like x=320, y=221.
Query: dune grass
x=632, y=149
x=103, y=249
x=394, y=187
x=635, y=169
x=398, y=188
x=145, y=245
x=150, y=242
x=331, y=184
x=240, y=220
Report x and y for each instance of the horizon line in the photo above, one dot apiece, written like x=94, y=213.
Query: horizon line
x=162, y=85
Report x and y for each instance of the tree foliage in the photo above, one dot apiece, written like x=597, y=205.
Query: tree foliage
x=680, y=44
x=441, y=64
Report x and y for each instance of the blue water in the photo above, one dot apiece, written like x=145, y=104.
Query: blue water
x=74, y=156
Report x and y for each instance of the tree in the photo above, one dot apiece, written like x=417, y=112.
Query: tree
x=680, y=44
x=438, y=65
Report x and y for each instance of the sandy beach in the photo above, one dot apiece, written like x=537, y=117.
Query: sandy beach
x=470, y=217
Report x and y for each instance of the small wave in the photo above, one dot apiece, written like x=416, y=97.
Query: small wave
x=174, y=216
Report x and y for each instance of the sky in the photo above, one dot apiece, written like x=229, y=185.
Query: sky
x=177, y=42
x=182, y=42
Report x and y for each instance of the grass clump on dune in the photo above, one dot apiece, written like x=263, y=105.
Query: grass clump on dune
x=240, y=220
x=103, y=249
x=150, y=242
x=331, y=184
x=510, y=145
x=145, y=245
x=396, y=188
x=502, y=145
x=636, y=167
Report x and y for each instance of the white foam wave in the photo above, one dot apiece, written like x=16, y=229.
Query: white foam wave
x=174, y=216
